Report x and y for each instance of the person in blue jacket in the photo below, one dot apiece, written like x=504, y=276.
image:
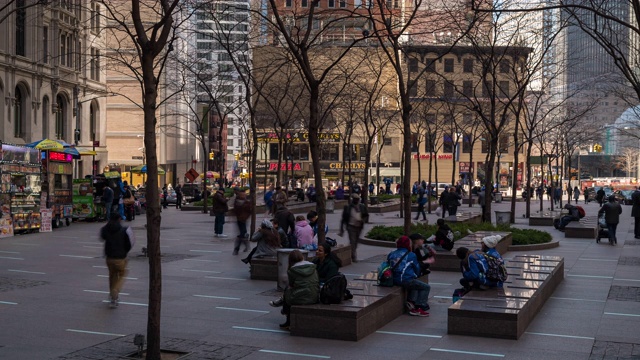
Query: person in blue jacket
x=405, y=274
x=474, y=266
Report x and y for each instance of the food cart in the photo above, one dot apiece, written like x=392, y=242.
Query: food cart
x=19, y=190
x=84, y=207
x=57, y=170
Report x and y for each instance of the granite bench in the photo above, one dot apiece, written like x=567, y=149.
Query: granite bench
x=371, y=308
x=448, y=261
x=506, y=312
x=266, y=268
x=585, y=228
x=544, y=219
x=464, y=218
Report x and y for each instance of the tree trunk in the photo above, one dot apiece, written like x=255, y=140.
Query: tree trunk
x=471, y=172
x=252, y=172
x=430, y=176
x=314, y=144
x=153, y=207
x=406, y=156
x=488, y=184
x=402, y=200
x=529, y=171
x=514, y=177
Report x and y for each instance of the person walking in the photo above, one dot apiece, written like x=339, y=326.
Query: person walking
x=611, y=211
x=569, y=193
x=242, y=209
x=354, y=216
x=165, y=196
x=635, y=212
x=576, y=194
x=107, y=199
x=452, y=201
x=600, y=194
x=178, y=190
x=585, y=193
x=421, y=201
x=118, y=241
x=268, y=200
x=444, y=202
x=219, y=208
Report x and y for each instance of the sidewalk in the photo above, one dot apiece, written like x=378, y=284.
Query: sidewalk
x=59, y=280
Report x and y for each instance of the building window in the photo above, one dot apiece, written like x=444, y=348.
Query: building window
x=448, y=89
x=288, y=3
x=343, y=3
x=329, y=152
x=467, y=65
x=45, y=45
x=273, y=152
x=92, y=122
x=430, y=88
x=504, y=66
x=484, y=142
x=414, y=143
x=447, y=144
x=387, y=141
x=413, y=65
x=230, y=142
x=332, y=3
x=467, y=88
x=63, y=48
x=21, y=27
x=487, y=89
x=60, y=117
x=18, y=119
x=430, y=64
x=466, y=143
x=430, y=142
x=448, y=65
x=300, y=151
x=413, y=90
x=504, y=88
x=503, y=144
x=45, y=117
x=305, y=3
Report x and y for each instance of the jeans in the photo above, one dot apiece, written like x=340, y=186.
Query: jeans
x=612, y=232
x=421, y=211
x=117, y=272
x=636, y=226
x=219, y=222
x=108, y=206
x=418, y=292
x=242, y=228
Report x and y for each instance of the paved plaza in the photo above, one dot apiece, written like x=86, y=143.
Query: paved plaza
x=53, y=291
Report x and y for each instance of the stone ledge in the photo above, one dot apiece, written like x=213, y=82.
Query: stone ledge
x=534, y=247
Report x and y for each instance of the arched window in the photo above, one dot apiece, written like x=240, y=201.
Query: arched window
x=61, y=117
x=18, y=115
x=21, y=27
x=45, y=117
x=92, y=122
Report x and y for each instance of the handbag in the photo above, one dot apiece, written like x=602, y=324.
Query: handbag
x=385, y=271
x=129, y=201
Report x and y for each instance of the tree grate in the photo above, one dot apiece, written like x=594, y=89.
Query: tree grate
x=8, y=284
x=628, y=260
x=624, y=293
x=602, y=350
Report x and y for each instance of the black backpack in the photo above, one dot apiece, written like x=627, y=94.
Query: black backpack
x=333, y=290
x=496, y=271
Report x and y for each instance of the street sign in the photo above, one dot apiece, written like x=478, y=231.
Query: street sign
x=192, y=174
x=96, y=143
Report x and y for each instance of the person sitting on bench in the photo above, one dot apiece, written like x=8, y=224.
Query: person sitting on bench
x=573, y=215
x=406, y=273
x=474, y=266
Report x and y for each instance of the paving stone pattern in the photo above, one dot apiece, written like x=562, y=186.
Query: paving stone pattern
x=610, y=350
x=376, y=259
x=632, y=242
x=7, y=284
x=628, y=260
x=624, y=293
x=119, y=348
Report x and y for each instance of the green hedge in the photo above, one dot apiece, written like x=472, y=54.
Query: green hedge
x=520, y=236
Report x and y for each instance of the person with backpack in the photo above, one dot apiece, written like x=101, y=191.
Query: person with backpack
x=405, y=273
x=611, y=211
x=327, y=265
x=443, y=236
x=574, y=215
x=118, y=241
x=474, y=267
x=303, y=286
x=422, y=200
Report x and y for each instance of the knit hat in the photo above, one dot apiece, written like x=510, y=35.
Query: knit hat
x=266, y=223
x=491, y=241
x=403, y=243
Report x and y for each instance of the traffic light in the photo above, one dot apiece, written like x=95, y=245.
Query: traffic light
x=211, y=155
x=237, y=156
x=597, y=148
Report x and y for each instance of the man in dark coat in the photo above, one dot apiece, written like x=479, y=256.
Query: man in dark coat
x=354, y=216
x=219, y=208
x=635, y=212
x=118, y=241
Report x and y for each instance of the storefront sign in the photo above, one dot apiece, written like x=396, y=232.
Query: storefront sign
x=352, y=166
x=60, y=157
x=283, y=166
x=47, y=220
x=429, y=156
x=297, y=137
x=465, y=167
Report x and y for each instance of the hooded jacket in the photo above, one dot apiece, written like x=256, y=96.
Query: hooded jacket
x=475, y=268
x=304, y=233
x=303, y=284
x=219, y=205
x=407, y=270
x=242, y=207
x=118, y=240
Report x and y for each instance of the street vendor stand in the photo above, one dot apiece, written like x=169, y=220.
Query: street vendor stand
x=19, y=190
x=84, y=207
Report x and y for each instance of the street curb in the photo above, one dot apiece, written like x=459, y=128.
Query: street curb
x=550, y=245
x=380, y=243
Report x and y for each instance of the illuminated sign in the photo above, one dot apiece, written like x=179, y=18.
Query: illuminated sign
x=283, y=166
x=60, y=157
x=439, y=157
x=355, y=165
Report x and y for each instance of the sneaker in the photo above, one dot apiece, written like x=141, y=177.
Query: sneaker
x=113, y=303
x=222, y=235
x=418, y=312
x=277, y=303
x=410, y=305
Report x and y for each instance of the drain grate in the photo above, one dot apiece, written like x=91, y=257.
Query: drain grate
x=602, y=350
x=628, y=260
x=8, y=284
x=624, y=293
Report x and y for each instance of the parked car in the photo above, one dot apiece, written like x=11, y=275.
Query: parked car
x=623, y=196
x=189, y=191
